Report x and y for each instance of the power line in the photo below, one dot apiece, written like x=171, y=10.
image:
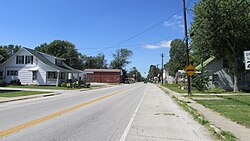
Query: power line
x=138, y=34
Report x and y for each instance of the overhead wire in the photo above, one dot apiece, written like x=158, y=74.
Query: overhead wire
x=136, y=35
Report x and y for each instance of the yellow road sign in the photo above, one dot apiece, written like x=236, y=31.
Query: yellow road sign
x=190, y=70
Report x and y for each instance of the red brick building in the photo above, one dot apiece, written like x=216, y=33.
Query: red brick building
x=103, y=75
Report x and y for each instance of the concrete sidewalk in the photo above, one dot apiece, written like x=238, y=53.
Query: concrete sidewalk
x=221, y=122
x=159, y=118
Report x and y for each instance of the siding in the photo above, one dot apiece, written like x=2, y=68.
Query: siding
x=104, y=77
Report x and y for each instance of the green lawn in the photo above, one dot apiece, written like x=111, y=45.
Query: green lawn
x=178, y=89
x=16, y=93
x=236, y=108
x=40, y=87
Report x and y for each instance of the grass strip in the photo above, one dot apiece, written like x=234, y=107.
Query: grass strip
x=223, y=135
x=17, y=93
x=237, y=108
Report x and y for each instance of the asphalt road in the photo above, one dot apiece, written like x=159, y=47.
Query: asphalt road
x=95, y=115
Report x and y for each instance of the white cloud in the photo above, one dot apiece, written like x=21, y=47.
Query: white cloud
x=162, y=44
x=168, y=23
x=177, y=17
x=175, y=22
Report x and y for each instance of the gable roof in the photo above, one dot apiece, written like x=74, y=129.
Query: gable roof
x=205, y=63
x=40, y=56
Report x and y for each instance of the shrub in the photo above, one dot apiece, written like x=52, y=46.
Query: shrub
x=63, y=84
x=200, y=81
x=15, y=82
x=68, y=85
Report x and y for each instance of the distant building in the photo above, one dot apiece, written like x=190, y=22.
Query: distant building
x=221, y=77
x=103, y=75
x=37, y=68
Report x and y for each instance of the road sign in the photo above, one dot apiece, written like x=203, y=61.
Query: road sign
x=190, y=70
x=247, y=59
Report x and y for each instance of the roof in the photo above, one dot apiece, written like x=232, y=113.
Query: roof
x=40, y=56
x=46, y=54
x=44, y=60
x=205, y=63
x=102, y=70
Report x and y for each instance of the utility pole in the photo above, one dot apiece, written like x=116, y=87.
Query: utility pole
x=162, y=55
x=186, y=45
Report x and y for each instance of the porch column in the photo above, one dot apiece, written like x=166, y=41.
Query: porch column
x=57, y=78
x=65, y=77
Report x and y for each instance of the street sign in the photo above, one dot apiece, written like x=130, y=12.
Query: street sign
x=247, y=59
x=190, y=70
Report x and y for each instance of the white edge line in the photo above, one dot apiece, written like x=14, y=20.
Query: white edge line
x=125, y=133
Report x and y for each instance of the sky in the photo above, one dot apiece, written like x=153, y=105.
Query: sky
x=146, y=27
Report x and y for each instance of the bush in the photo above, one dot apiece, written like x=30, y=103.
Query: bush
x=200, y=81
x=68, y=85
x=15, y=82
x=63, y=84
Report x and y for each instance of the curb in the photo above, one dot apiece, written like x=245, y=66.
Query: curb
x=28, y=97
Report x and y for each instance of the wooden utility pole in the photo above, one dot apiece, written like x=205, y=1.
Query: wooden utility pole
x=186, y=45
x=162, y=55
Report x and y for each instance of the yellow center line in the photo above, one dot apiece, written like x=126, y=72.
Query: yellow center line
x=39, y=120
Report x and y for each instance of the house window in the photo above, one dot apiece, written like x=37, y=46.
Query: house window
x=52, y=75
x=20, y=59
x=12, y=73
x=62, y=75
x=1, y=75
x=29, y=59
x=215, y=78
x=34, y=75
x=58, y=62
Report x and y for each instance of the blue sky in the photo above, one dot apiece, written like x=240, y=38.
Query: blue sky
x=97, y=26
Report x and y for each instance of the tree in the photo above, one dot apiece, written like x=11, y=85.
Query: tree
x=95, y=62
x=222, y=29
x=8, y=50
x=121, y=58
x=153, y=71
x=63, y=49
x=134, y=73
x=177, y=57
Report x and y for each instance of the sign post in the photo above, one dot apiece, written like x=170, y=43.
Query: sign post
x=190, y=70
x=247, y=59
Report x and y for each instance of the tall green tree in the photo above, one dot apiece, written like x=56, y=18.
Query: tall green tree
x=121, y=58
x=222, y=29
x=63, y=49
x=8, y=50
x=177, y=59
x=153, y=71
x=134, y=73
x=95, y=62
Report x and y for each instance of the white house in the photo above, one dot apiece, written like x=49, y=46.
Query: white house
x=34, y=67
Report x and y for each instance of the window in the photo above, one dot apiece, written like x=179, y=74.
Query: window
x=34, y=75
x=29, y=59
x=1, y=75
x=58, y=62
x=62, y=75
x=52, y=75
x=12, y=73
x=20, y=59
